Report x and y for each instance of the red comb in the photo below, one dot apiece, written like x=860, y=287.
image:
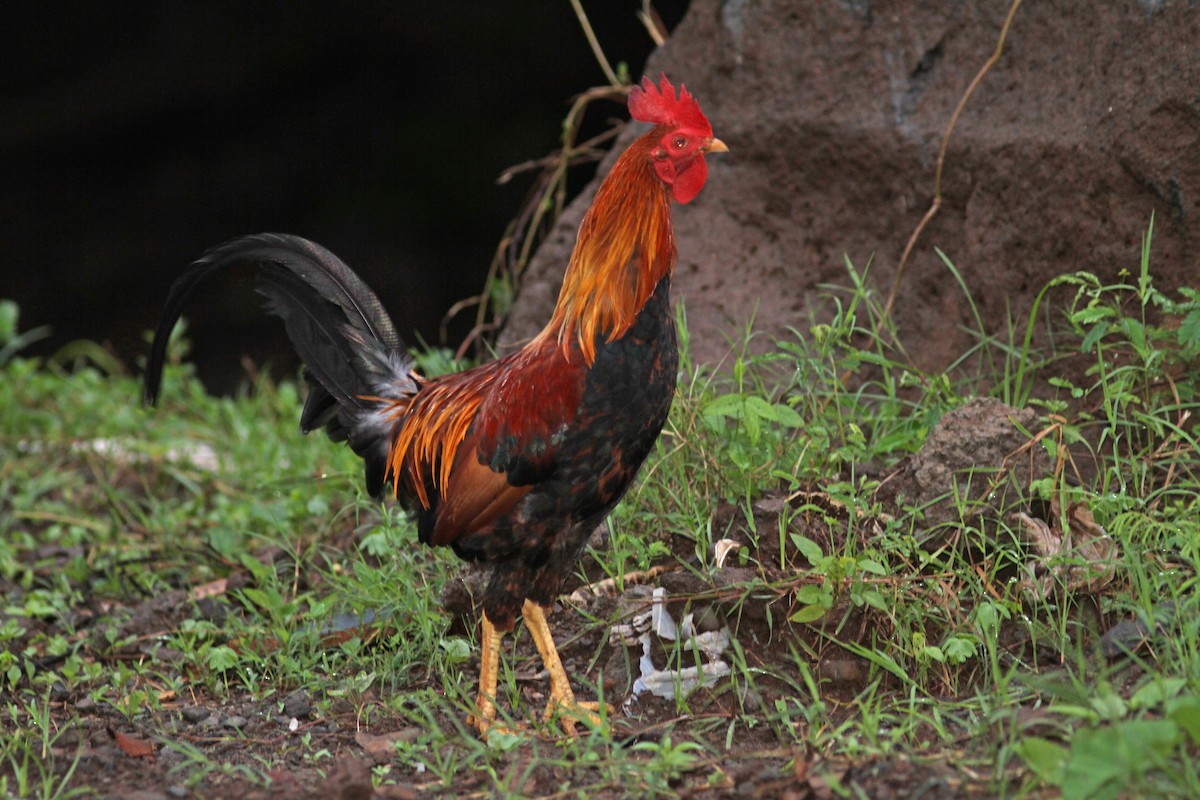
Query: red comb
x=659, y=105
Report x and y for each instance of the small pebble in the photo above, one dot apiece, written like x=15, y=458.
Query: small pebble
x=235, y=722
x=297, y=704
x=69, y=738
x=751, y=701
x=194, y=714
x=211, y=721
x=212, y=610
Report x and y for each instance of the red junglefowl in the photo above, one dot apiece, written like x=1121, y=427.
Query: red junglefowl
x=512, y=463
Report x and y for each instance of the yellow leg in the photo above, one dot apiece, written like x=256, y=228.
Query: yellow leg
x=489, y=665
x=562, y=699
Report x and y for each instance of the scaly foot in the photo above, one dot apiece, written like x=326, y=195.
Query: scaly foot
x=484, y=718
x=562, y=703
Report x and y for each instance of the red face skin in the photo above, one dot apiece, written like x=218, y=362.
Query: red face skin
x=679, y=161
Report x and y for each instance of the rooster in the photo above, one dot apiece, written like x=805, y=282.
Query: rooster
x=515, y=462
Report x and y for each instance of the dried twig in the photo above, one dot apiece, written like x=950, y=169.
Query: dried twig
x=941, y=163
x=613, y=80
x=548, y=196
x=653, y=22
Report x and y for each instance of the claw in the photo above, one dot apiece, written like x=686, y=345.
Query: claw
x=571, y=712
x=488, y=725
x=562, y=704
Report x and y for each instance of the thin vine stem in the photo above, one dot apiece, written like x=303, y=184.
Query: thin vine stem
x=594, y=43
x=941, y=164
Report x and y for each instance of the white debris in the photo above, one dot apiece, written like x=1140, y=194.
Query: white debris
x=630, y=633
x=722, y=549
x=660, y=619
x=666, y=683
x=712, y=644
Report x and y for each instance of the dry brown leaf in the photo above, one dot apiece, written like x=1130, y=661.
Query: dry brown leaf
x=131, y=745
x=1083, y=540
x=210, y=589
x=800, y=767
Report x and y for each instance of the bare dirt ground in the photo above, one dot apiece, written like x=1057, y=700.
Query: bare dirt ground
x=197, y=744
x=144, y=757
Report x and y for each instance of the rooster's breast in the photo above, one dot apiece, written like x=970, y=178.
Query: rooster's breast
x=625, y=402
x=621, y=410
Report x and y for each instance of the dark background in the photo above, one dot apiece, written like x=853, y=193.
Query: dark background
x=132, y=137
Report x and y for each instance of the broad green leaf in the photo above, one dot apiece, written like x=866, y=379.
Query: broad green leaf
x=264, y=600
x=872, y=566
x=808, y=614
x=760, y=408
x=1047, y=759
x=1185, y=712
x=457, y=648
x=932, y=653
x=1093, y=772
x=222, y=658
x=876, y=600
x=1104, y=761
x=959, y=649
x=810, y=593
x=1110, y=706
x=788, y=416
x=1092, y=337
x=1092, y=314
x=726, y=405
x=1157, y=692
x=808, y=548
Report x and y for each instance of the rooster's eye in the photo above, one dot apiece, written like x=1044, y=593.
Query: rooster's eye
x=679, y=142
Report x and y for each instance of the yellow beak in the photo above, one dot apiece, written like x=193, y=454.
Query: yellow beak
x=715, y=145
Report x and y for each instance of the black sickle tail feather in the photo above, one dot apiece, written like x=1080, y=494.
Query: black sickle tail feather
x=339, y=328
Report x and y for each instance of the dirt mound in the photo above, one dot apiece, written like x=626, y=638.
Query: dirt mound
x=834, y=116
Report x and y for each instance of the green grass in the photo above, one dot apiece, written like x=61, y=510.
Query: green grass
x=940, y=657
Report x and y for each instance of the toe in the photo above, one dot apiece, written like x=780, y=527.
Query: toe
x=569, y=715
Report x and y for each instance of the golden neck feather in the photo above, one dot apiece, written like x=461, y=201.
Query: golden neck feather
x=626, y=245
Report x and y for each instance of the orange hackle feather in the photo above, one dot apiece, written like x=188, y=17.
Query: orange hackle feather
x=431, y=426
x=625, y=247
